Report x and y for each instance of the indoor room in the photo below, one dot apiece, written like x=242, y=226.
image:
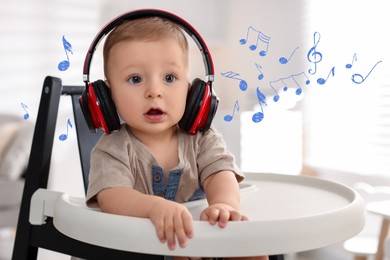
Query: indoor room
x=303, y=89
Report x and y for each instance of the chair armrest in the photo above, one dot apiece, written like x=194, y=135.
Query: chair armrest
x=42, y=205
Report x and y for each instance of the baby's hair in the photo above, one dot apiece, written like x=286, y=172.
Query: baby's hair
x=145, y=29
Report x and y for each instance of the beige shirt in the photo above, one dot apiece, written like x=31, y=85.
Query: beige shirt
x=121, y=160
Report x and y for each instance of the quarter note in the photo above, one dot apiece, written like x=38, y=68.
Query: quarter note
x=313, y=55
x=64, y=65
x=362, y=79
x=258, y=116
x=349, y=65
x=259, y=68
x=236, y=107
x=63, y=137
x=27, y=115
x=322, y=81
x=284, y=60
x=259, y=37
x=232, y=75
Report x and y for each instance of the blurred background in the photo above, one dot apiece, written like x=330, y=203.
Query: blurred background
x=325, y=62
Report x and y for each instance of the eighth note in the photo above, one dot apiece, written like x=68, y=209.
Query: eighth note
x=349, y=65
x=258, y=116
x=362, y=79
x=64, y=65
x=259, y=37
x=63, y=137
x=284, y=60
x=24, y=106
x=232, y=75
x=236, y=107
x=259, y=68
x=322, y=81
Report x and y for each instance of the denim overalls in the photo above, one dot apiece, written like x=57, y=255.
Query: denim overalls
x=168, y=190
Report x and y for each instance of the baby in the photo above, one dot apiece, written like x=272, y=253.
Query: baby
x=150, y=165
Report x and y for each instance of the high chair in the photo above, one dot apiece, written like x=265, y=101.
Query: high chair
x=30, y=237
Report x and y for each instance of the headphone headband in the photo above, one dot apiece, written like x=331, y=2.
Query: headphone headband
x=209, y=67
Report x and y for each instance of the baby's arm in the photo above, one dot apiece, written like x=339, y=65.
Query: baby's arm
x=223, y=196
x=169, y=218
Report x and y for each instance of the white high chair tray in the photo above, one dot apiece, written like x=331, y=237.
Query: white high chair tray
x=287, y=214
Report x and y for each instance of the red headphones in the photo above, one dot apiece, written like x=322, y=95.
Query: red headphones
x=99, y=110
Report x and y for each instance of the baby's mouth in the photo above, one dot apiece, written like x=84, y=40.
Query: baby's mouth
x=155, y=115
x=154, y=112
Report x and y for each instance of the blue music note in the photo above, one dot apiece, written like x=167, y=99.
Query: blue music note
x=236, y=107
x=259, y=37
x=276, y=96
x=232, y=75
x=283, y=80
x=313, y=53
x=259, y=68
x=258, y=116
x=362, y=79
x=285, y=88
x=64, y=65
x=284, y=60
x=63, y=137
x=299, y=89
x=349, y=65
x=322, y=81
x=27, y=115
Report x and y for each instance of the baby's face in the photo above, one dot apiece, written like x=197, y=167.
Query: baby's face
x=149, y=83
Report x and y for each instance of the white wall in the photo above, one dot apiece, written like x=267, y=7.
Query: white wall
x=32, y=48
x=222, y=24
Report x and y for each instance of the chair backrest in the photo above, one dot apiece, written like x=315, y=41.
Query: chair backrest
x=85, y=139
x=31, y=237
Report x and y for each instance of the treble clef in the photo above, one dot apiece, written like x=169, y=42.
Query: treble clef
x=313, y=55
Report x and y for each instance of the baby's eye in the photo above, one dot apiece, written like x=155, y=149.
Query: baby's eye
x=135, y=79
x=170, y=78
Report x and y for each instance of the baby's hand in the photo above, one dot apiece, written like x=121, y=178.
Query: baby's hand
x=221, y=213
x=171, y=220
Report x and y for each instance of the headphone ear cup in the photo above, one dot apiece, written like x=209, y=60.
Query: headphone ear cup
x=106, y=105
x=193, y=104
x=214, y=102
x=83, y=100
